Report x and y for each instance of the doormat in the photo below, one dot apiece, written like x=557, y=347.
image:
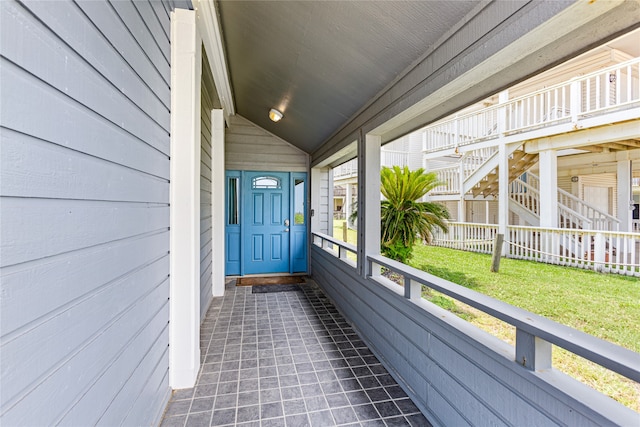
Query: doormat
x=267, y=289
x=276, y=280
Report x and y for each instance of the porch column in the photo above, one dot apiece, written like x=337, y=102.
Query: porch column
x=548, y=207
x=462, y=213
x=347, y=202
x=503, y=172
x=218, y=202
x=503, y=189
x=624, y=195
x=184, y=301
x=368, y=199
x=548, y=189
x=332, y=202
x=462, y=208
x=321, y=200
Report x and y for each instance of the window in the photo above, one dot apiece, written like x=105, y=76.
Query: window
x=233, y=202
x=266, y=182
x=298, y=201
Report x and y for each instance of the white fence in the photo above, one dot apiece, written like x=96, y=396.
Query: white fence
x=610, y=89
x=604, y=251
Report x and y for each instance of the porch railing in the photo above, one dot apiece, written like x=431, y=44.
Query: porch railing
x=529, y=327
x=595, y=93
x=599, y=250
x=535, y=335
x=339, y=248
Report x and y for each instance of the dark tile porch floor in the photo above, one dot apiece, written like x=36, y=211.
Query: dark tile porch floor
x=287, y=359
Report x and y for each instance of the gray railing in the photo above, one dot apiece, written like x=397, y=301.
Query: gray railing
x=534, y=334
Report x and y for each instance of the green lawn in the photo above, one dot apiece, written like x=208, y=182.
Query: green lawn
x=607, y=306
x=604, y=305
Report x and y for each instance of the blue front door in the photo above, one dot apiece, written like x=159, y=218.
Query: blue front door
x=267, y=222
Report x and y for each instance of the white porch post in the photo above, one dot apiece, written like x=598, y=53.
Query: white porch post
x=503, y=172
x=548, y=189
x=332, y=203
x=462, y=214
x=624, y=195
x=503, y=189
x=368, y=199
x=549, y=201
x=184, y=304
x=320, y=200
x=347, y=202
x=218, y=202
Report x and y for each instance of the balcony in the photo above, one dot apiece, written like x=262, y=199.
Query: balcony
x=600, y=98
x=287, y=359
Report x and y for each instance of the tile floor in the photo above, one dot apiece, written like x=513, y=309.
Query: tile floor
x=287, y=359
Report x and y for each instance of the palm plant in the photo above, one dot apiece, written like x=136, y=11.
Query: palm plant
x=403, y=218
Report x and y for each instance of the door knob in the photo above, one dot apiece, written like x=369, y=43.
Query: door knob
x=286, y=230
x=286, y=222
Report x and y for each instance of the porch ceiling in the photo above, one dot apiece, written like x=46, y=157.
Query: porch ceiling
x=320, y=62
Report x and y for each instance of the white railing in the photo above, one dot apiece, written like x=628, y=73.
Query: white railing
x=387, y=158
x=605, y=251
x=598, y=220
x=450, y=179
x=467, y=237
x=572, y=211
x=473, y=159
x=394, y=158
x=525, y=194
x=595, y=93
x=346, y=170
x=337, y=247
x=451, y=176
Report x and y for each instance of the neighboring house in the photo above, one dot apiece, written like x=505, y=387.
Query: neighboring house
x=584, y=113
x=138, y=168
x=595, y=169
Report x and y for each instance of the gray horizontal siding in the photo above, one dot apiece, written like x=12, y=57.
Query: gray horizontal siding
x=249, y=147
x=84, y=187
x=457, y=374
x=206, y=292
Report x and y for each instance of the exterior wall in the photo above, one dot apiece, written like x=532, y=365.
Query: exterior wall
x=249, y=147
x=457, y=374
x=564, y=183
x=85, y=212
x=206, y=106
x=604, y=180
x=476, y=211
x=321, y=197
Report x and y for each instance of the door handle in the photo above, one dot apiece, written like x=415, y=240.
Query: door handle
x=286, y=222
x=286, y=230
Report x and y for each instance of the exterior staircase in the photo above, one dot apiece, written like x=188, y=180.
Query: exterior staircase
x=479, y=169
x=524, y=201
x=519, y=161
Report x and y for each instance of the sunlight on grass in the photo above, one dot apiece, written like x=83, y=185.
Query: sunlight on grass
x=352, y=236
x=606, y=306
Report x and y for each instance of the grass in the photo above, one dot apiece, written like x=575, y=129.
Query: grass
x=606, y=306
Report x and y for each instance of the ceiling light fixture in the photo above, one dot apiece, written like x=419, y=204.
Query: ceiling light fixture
x=275, y=115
